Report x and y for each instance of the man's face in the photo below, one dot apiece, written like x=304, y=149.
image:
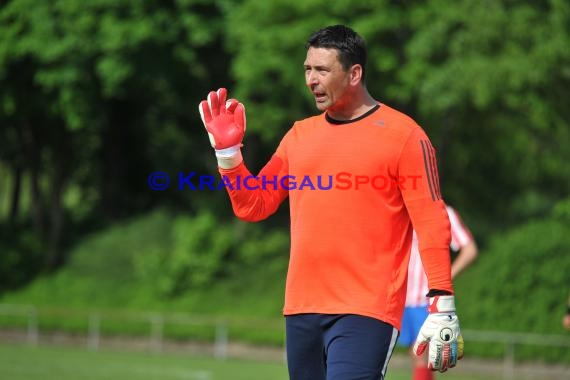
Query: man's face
x=326, y=78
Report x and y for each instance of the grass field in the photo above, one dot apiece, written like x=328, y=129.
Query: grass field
x=22, y=362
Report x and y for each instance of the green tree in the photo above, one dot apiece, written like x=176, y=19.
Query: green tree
x=95, y=96
x=491, y=78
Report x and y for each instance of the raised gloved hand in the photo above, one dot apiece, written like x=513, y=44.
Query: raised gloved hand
x=440, y=334
x=225, y=123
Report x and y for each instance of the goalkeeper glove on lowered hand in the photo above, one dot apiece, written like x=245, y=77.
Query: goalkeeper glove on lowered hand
x=440, y=334
x=225, y=124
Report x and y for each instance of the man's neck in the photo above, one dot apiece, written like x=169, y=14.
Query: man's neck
x=357, y=106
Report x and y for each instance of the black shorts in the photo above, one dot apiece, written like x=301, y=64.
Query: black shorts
x=338, y=347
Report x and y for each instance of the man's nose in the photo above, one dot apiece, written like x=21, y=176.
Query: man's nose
x=311, y=78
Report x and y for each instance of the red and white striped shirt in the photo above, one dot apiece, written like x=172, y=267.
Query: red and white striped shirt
x=417, y=280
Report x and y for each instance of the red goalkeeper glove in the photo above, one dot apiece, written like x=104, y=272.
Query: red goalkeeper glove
x=225, y=124
x=441, y=335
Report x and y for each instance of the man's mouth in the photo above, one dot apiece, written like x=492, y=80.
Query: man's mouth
x=320, y=96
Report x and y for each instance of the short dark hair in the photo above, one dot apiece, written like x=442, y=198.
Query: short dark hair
x=351, y=47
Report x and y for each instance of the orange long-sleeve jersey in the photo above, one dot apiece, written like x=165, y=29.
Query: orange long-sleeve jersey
x=355, y=190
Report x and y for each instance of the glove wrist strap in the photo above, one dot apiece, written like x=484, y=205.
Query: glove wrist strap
x=441, y=304
x=229, y=158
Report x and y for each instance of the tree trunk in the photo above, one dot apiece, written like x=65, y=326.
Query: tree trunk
x=15, y=195
x=61, y=164
x=54, y=257
x=32, y=159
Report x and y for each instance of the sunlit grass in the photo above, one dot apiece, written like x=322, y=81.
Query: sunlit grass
x=23, y=362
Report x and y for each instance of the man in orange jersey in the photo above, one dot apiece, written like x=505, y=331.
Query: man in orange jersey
x=350, y=243
x=415, y=312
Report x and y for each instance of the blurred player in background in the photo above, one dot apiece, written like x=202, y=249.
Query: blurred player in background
x=350, y=242
x=416, y=312
x=566, y=319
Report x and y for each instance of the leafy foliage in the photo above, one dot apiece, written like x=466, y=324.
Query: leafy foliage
x=521, y=282
x=94, y=97
x=489, y=79
x=164, y=259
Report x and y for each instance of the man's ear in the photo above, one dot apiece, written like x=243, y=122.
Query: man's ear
x=356, y=74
